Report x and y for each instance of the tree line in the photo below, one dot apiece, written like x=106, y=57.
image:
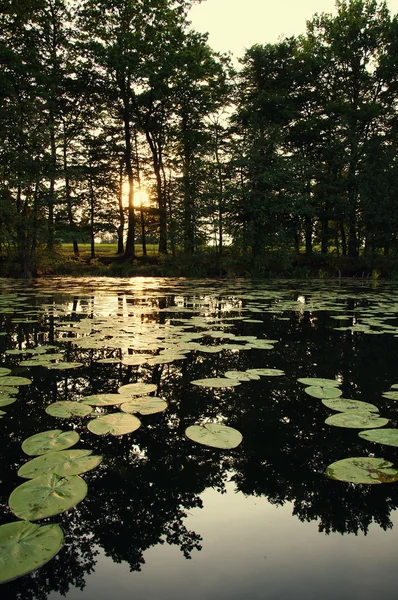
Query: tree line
x=296, y=149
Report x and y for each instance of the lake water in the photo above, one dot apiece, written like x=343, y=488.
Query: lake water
x=166, y=517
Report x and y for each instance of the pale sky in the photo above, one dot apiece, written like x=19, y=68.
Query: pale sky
x=234, y=25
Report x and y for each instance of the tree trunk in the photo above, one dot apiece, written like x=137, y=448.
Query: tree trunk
x=120, y=229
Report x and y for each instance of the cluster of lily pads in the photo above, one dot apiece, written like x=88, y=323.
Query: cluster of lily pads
x=356, y=414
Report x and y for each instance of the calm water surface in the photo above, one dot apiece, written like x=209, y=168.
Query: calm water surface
x=168, y=518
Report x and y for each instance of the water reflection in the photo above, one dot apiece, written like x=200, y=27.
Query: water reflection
x=150, y=482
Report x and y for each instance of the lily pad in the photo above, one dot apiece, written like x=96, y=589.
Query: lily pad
x=46, y=496
x=214, y=435
x=7, y=390
x=391, y=395
x=216, y=382
x=63, y=462
x=64, y=409
x=318, y=381
x=115, y=424
x=4, y=371
x=6, y=400
x=14, y=381
x=345, y=405
x=265, y=372
x=49, y=441
x=356, y=420
x=137, y=389
x=362, y=470
x=25, y=546
x=145, y=406
x=323, y=392
x=103, y=399
x=62, y=366
x=241, y=375
x=386, y=436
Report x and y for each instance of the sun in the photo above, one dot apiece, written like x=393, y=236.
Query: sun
x=141, y=197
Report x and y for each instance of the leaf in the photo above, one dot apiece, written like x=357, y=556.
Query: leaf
x=115, y=424
x=25, y=546
x=318, y=381
x=362, y=470
x=6, y=400
x=49, y=441
x=389, y=437
x=46, y=496
x=391, y=395
x=323, y=392
x=4, y=371
x=64, y=409
x=214, y=435
x=216, y=382
x=241, y=375
x=356, y=420
x=63, y=462
x=137, y=389
x=145, y=406
x=61, y=366
x=344, y=405
x=103, y=399
x=266, y=372
x=14, y=381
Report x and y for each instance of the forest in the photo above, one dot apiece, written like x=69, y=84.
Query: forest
x=120, y=125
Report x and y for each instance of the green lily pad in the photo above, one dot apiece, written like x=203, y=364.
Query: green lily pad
x=389, y=437
x=391, y=395
x=62, y=366
x=103, y=399
x=137, y=389
x=49, y=441
x=63, y=462
x=46, y=496
x=356, y=420
x=318, y=381
x=8, y=390
x=362, y=470
x=64, y=409
x=4, y=371
x=323, y=392
x=115, y=424
x=25, y=546
x=241, y=375
x=264, y=372
x=6, y=400
x=144, y=406
x=214, y=435
x=14, y=381
x=216, y=382
x=344, y=405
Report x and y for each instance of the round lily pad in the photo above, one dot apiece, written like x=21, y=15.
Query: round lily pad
x=265, y=372
x=63, y=462
x=214, y=435
x=4, y=371
x=103, y=399
x=6, y=400
x=14, y=381
x=318, y=381
x=7, y=390
x=323, y=392
x=25, y=546
x=46, y=496
x=386, y=436
x=356, y=420
x=216, y=382
x=64, y=409
x=49, y=441
x=345, y=405
x=62, y=366
x=391, y=395
x=115, y=424
x=362, y=470
x=241, y=375
x=144, y=406
x=137, y=389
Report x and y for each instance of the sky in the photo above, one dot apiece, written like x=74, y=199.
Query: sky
x=234, y=25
